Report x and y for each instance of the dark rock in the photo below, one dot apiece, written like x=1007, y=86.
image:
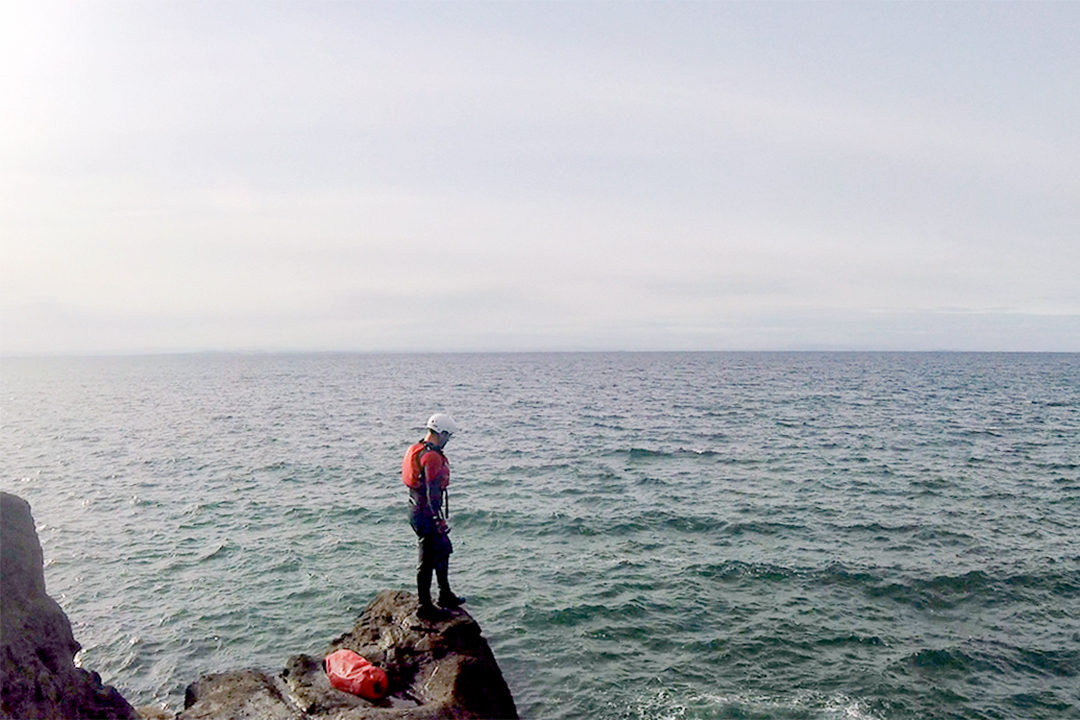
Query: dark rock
x=437, y=670
x=38, y=677
x=238, y=695
x=440, y=669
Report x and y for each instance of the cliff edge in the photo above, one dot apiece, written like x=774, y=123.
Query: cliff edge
x=436, y=669
x=38, y=677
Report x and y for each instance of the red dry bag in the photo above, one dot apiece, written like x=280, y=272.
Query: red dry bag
x=353, y=674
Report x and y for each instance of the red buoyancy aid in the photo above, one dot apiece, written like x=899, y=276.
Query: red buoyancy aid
x=354, y=674
x=416, y=467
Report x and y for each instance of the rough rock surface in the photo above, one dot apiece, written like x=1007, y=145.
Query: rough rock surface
x=38, y=677
x=442, y=669
x=240, y=694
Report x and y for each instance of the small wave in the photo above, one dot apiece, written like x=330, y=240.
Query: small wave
x=646, y=454
x=761, y=527
x=940, y=660
x=736, y=569
x=851, y=639
x=649, y=481
x=876, y=528
x=839, y=574
x=609, y=426
x=1054, y=403
x=689, y=523
x=942, y=537
x=996, y=658
x=538, y=469
x=941, y=592
x=586, y=613
x=562, y=524
x=219, y=550
x=975, y=587
x=1048, y=663
x=1028, y=702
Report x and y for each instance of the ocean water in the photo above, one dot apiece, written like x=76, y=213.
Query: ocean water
x=640, y=535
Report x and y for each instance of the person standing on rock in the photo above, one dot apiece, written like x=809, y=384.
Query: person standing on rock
x=426, y=472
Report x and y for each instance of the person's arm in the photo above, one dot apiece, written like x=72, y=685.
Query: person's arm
x=435, y=477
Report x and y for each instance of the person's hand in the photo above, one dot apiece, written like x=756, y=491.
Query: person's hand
x=441, y=526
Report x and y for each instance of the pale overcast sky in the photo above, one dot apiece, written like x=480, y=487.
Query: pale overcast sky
x=179, y=176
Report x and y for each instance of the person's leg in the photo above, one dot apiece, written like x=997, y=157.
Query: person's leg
x=427, y=563
x=424, y=567
x=447, y=598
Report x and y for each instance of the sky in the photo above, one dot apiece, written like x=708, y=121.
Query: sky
x=534, y=176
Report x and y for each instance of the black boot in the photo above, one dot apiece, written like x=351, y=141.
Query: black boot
x=427, y=609
x=447, y=599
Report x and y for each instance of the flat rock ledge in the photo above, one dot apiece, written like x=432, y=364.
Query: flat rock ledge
x=437, y=670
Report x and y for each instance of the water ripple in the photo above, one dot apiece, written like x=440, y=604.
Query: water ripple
x=673, y=536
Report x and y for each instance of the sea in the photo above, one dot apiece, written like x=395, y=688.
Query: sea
x=640, y=535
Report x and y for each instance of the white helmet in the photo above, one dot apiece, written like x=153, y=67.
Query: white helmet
x=442, y=423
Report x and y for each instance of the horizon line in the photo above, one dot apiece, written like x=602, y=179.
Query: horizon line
x=253, y=352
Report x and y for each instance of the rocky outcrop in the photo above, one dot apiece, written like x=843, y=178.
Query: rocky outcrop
x=436, y=669
x=442, y=669
x=38, y=677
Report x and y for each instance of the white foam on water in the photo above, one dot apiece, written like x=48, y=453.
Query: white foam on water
x=659, y=705
x=807, y=705
x=849, y=709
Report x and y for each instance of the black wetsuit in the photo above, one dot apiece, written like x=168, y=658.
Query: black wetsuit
x=428, y=522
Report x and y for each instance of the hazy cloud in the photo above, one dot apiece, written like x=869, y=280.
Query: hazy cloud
x=380, y=176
